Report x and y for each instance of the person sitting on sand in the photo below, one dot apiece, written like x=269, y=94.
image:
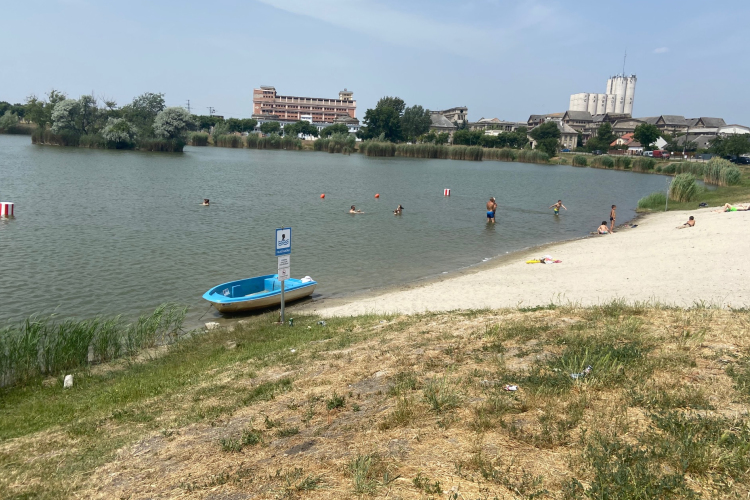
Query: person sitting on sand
x=354, y=210
x=398, y=210
x=732, y=208
x=557, y=206
x=205, y=202
x=603, y=229
x=689, y=223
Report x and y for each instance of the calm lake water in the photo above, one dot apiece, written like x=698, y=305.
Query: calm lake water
x=119, y=232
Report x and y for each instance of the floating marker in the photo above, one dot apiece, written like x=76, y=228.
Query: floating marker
x=377, y=195
x=6, y=209
x=322, y=196
x=446, y=192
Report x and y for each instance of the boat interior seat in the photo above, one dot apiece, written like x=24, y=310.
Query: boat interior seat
x=272, y=284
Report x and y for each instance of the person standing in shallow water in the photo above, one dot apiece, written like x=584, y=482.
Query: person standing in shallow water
x=557, y=206
x=491, y=208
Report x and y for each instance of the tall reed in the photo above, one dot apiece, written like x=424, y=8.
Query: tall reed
x=377, y=148
x=471, y=153
x=198, y=139
x=40, y=346
x=721, y=172
x=336, y=143
x=605, y=161
x=683, y=188
x=653, y=201
x=424, y=150
x=623, y=162
x=162, y=145
x=501, y=154
x=272, y=141
x=579, y=161
x=228, y=141
x=532, y=156
x=643, y=164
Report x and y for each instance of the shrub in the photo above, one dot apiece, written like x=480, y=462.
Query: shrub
x=579, y=161
x=198, y=139
x=653, y=201
x=683, y=188
x=603, y=161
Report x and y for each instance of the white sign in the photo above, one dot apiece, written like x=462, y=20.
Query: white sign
x=284, y=261
x=283, y=241
x=283, y=274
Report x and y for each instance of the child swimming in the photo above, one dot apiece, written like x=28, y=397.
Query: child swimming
x=557, y=206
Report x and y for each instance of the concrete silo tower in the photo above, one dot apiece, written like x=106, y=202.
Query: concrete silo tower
x=593, y=101
x=629, y=95
x=601, y=104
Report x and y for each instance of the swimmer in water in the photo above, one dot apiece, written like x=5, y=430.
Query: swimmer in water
x=491, y=208
x=398, y=210
x=205, y=202
x=557, y=206
x=354, y=210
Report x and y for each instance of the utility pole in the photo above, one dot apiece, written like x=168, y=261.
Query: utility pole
x=188, y=105
x=211, y=111
x=623, y=62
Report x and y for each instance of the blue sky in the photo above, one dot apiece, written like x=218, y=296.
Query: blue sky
x=501, y=58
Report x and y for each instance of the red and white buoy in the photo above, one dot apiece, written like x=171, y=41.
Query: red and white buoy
x=6, y=209
x=446, y=192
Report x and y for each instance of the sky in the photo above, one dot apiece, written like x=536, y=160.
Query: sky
x=500, y=58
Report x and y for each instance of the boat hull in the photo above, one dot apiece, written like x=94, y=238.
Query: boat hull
x=264, y=302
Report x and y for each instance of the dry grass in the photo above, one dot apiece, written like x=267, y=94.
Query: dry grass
x=414, y=407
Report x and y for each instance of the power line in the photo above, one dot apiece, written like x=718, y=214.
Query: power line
x=211, y=110
x=188, y=105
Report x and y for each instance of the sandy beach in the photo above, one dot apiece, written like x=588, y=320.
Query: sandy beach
x=652, y=262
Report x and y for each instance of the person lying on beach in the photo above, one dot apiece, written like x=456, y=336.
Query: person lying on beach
x=353, y=210
x=398, y=210
x=689, y=223
x=205, y=202
x=557, y=206
x=732, y=208
x=603, y=229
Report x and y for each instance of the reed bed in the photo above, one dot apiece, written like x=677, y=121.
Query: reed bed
x=198, y=139
x=683, y=188
x=273, y=141
x=161, y=145
x=653, y=201
x=579, y=161
x=336, y=143
x=470, y=153
x=426, y=150
x=605, y=161
x=500, y=154
x=532, y=156
x=94, y=141
x=47, y=137
x=228, y=141
x=377, y=148
x=721, y=173
x=42, y=346
x=643, y=164
x=623, y=162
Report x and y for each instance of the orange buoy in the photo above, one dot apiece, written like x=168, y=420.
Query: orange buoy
x=322, y=195
x=377, y=195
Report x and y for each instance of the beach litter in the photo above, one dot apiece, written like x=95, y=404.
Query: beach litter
x=576, y=376
x=211, y=325
x=322, y=323
x=511, y=388
x=68, y=382
x=543, y=260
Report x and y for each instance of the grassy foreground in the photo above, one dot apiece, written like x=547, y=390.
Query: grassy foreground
x=404, y=407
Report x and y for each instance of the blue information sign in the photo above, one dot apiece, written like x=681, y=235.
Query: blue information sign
x=283, y=241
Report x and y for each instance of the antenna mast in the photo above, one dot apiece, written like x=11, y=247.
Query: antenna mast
x=623, y=62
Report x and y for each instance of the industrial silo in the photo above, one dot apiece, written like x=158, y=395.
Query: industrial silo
x=593, y=99
x=629, y=95
x=611, y=103
x=601, y=104
x=579, y=102
x=619, y=83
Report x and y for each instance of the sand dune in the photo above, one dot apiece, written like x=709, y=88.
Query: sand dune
x=652, y=262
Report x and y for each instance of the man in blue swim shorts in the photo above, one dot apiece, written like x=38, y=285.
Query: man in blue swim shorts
x=491, y=208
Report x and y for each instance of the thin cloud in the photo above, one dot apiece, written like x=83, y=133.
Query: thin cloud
x=661, y=50
x=416, y=31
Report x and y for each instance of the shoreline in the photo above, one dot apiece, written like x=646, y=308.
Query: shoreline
x=651, y=263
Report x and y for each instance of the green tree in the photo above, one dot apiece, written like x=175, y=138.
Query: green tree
x=143, y=110
x=173, y=123
x=467, y=137
x=547, y=137
x=646, y=134
x=88, y=114
x=603, y=138
x=415, y=121
x=39, y=111
x=65, y=116
x=8, y=121
x=396, y=103
x=736, y=145
x=336, y=128
x=119, y=132
x=270, y=127
x=301, y=127
x=205, y=122
x=381, y=121
x=241, y=125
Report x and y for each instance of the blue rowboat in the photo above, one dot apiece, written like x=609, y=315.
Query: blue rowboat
x=257, y=293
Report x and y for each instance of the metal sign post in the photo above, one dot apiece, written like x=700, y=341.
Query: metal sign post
x=283, y=252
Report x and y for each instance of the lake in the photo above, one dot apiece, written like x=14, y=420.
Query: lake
x=119, y=232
